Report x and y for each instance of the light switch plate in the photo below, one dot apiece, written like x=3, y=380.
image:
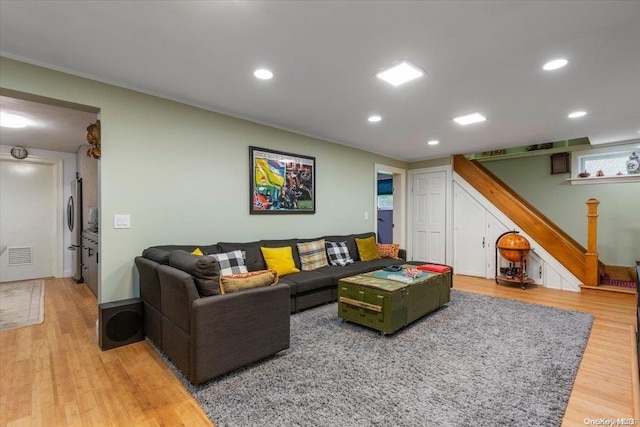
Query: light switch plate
x=121, y=221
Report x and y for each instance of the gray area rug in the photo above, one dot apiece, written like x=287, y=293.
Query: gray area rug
x=480, y=361
x=21, y=304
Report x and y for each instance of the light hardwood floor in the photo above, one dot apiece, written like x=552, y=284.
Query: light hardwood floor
x=55, y=374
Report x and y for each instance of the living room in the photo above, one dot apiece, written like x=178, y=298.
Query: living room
x=181, y=172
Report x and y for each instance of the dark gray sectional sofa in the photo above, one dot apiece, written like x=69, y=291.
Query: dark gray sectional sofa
x=208, y=336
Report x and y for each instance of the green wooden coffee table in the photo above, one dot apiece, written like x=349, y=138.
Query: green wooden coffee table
x=376, y=301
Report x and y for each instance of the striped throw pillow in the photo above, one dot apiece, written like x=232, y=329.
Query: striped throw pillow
x=312, y=255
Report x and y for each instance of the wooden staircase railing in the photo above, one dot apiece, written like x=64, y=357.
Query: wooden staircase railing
x=591, y=256
x=530, y=220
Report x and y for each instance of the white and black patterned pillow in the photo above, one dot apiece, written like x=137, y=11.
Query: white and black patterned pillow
x=231, y=262
x=338, y=253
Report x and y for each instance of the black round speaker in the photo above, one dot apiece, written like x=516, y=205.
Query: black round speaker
x=120, y=323
x=123, y=325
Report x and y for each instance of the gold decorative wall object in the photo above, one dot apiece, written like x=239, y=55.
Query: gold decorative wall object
x=93, y=138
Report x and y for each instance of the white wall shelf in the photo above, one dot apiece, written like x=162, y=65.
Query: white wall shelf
x=604, y=179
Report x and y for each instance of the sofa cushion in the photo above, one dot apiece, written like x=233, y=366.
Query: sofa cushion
x=388, y=250
x=311, y=280
x=160, y=253
x=367, y=248
x=252, y=255
x=293, y=286
x=338, y=253
x=231, y=262
x=205, y=271
x=313, y=255
x=280, y=260
x=161, y=256
x=253, y=279
x=210, y=249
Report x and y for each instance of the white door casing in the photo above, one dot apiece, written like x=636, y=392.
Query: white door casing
x=399, y=201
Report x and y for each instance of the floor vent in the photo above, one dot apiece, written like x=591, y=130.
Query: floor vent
x=20, y=255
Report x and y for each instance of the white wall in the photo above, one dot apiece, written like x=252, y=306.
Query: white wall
x=69, y=173
x=182, y=174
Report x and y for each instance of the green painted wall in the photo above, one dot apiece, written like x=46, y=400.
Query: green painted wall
x=563, y=203
x=443, y=161
x=182, y=174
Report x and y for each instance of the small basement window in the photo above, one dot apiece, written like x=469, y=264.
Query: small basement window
x=601, y=165
x=609, y=164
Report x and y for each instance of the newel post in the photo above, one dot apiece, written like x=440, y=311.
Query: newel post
x=591, y=257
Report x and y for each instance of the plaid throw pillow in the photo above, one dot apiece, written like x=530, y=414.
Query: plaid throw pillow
x=231, y=262
x=312, y=255
x=338, y=253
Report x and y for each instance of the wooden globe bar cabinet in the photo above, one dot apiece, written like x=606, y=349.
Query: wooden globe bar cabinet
x=515, y=249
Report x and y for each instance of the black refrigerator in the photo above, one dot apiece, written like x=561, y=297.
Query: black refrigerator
x=74, y=222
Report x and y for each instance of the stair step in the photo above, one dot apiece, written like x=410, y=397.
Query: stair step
x=609, y=288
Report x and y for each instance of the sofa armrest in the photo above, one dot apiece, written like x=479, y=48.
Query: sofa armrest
x=232, y=330
x=177, y=292
x=149, y=283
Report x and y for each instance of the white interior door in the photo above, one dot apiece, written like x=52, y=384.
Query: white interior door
x=27, y=220
x=468, y=234
x=429, y=217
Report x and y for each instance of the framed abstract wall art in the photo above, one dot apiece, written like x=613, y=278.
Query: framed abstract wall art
x=281, y=183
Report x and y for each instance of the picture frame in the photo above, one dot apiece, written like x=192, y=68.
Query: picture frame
x=560, y=163
x=281, y=183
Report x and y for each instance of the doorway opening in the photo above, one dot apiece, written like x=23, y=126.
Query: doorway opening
x=54, y=139
x=389, y=217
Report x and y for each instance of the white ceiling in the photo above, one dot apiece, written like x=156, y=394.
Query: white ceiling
x=481, y=56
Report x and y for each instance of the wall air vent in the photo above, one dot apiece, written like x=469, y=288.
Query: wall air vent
x=20, y=255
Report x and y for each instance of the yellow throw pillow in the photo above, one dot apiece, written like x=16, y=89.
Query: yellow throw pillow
x=367, y=249
x=280, y=260
x=242, y=281
x=197, y=251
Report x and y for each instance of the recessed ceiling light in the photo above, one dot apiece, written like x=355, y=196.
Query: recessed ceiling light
x=555, y=64
x=263, y=74
x=577, y=114
x=433, y=142
x=400, y=73
x=374, y=119
x=12, y=121
x=470, y=118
